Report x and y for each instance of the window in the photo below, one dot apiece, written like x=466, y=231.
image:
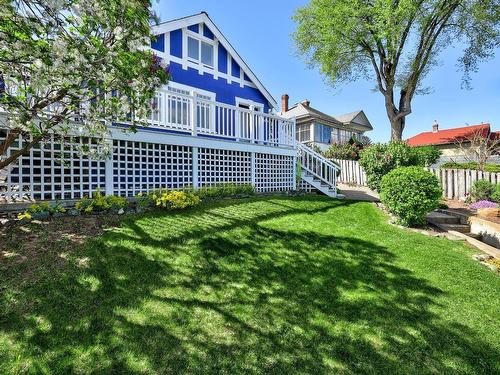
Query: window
x=303, y=132
x=199, y=51
x=322, y=133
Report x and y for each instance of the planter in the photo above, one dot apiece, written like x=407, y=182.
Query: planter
x=488, y=212
x=488, y=230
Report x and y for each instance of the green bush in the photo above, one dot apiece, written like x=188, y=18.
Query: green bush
x=425, y=155
x=496, y=194
x=379, y=159
x=101, y=203
x=346, y=151
x=175, y=200
x=410, y=193
x=225, y=190
x=482, y=190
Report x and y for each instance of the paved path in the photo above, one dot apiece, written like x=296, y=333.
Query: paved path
x=358, y=193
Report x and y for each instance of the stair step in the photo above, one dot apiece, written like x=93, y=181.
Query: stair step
x=462, y=228
x=441, y=218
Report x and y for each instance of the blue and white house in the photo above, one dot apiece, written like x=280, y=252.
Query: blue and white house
x=213, y=123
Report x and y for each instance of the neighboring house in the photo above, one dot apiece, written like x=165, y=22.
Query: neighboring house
x=316, y=127
x=212, y=124
x=452, y=142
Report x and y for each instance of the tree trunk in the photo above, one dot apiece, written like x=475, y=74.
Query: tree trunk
x=397, y=127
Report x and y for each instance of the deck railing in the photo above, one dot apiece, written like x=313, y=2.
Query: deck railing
x=199, y=116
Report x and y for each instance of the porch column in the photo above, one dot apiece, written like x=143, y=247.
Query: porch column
x=194, y=167
x=108, y=168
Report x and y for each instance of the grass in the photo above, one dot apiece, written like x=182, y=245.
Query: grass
x=303, y=285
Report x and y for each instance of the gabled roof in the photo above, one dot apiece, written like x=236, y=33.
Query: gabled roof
x=356, y=117
x=300, y=110
x=204, y=18
x=447, y=136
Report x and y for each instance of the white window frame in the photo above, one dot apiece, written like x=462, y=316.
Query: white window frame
x=201, y=39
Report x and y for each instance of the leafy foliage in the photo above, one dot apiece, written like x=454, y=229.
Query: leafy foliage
x=175, y=200
x=347, y=151
x=379, y=159
x=72, y=65
x=225, y=190
x=101, y=203
x=410, y=193
x=495, y=168
x=482, y=190
x=426, y=155
x=496, y=194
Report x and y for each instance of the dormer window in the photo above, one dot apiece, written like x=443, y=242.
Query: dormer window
x=200, y=52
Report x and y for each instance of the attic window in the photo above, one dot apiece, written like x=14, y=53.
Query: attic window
x=200, y=52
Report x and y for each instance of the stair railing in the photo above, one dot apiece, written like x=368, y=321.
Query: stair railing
x=319, y=166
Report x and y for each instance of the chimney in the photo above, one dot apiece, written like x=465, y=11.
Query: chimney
x=284, y=103
x=435, y=127
x=306, y=103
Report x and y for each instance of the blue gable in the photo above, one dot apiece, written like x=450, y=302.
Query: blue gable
x=228, y=80
x=224, y=92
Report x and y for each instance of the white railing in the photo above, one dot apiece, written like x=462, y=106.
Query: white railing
x=191, y=113
x=318, y=165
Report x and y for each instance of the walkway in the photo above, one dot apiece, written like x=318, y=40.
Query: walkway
x=358, y=193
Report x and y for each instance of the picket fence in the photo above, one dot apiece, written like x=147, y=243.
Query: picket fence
x=456, y=183
x=352, y=173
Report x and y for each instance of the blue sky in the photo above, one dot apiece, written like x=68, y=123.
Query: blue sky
x=260, y=30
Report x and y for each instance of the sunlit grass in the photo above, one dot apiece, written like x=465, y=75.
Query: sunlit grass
x=273, y=285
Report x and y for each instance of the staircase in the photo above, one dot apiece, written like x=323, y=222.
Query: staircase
x=318, y=171
x=450, y=220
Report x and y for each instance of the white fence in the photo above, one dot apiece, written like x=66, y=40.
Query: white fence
x=456, y=183
x=351, y=172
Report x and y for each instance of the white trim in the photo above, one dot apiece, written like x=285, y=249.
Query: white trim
x=183, y=23
x=184, y=49
x=250, y=103
x=191, y=89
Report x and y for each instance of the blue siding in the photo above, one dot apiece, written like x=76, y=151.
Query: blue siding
x=176, y=43
x=225, y=92
x=246, y=78
x=159, y=43
x=207, y=32
x=194, y=28
x=222, y=59
x=235, y=69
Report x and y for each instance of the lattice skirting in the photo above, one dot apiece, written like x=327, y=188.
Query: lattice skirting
x=58, y=169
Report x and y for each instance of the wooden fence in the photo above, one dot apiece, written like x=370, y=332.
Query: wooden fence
x=351, y=173
x=456, y=183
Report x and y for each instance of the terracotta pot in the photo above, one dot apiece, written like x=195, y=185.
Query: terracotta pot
x=489, y=212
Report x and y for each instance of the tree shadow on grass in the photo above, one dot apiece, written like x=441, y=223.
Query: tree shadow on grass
x=231, y=293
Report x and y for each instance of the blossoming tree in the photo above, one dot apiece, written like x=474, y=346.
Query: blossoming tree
x=72, y=67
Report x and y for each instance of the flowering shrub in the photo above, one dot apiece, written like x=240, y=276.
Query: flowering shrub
x=410, y=193
x=101, y=203
x=177, y=200
x=483, y=204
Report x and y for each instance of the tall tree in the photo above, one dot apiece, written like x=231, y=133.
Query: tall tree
x=395, y=42
x=72, y=67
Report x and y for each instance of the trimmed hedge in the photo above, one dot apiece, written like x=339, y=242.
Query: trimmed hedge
x=410, y=193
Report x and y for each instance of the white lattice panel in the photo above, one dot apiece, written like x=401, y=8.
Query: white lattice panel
x=140, y=167
x=274, y=172
x=54, y=169
x=216, y=166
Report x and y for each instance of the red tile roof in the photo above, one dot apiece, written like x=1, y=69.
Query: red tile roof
x=446, y=136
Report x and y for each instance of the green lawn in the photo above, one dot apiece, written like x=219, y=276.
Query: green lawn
x=303, y=285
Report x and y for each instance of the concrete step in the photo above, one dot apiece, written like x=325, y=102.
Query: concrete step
x=441, y=218
x=463, y=216
x=461, y=228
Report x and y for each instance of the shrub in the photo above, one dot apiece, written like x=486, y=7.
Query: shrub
x=39, y=208
x=101, y=203
x=85, y=205
x=116, y=203
x=425, y=155
x=346, y=151
x=225, y=190
x=379, y=159
x=496, y=194
x=177, y=200
x=482, y=190
x=143, y=200
x=410, y=193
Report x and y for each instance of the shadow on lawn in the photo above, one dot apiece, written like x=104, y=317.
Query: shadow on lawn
x=234, y=294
